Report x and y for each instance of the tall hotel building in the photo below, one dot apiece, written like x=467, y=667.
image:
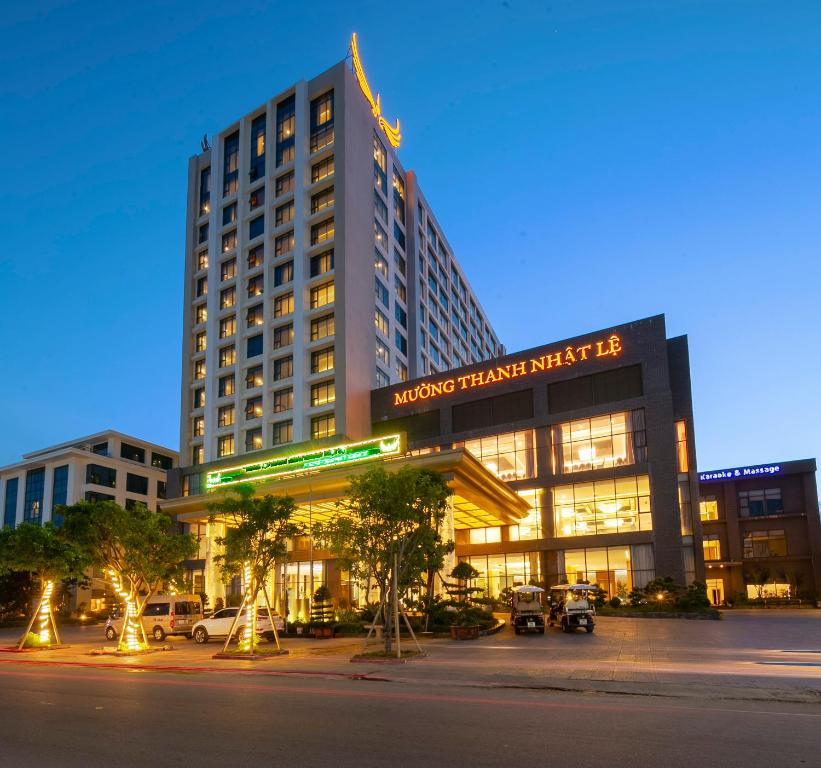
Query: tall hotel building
x=315, y=272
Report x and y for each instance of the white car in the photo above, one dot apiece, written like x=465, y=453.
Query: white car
x=219, y=625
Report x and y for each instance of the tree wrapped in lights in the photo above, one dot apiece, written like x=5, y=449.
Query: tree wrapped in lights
x=256, y=536
x=47, y=555
x=138, y=550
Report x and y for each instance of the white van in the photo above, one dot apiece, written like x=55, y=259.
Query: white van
x=163, y=615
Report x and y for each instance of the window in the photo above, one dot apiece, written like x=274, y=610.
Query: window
x=322, y=231
x=10, y=503
x=228, y=327
x=227, y=356
x=35, y=490
x=382, y=324
x=322, y=200
x=256, y=257
x=256, y=227
x=681, y=446
x=230, y=164
x=202, y=234
x=253, y=346
x=282, y=432
x=228, y=297
x=382, y=352
x=257, y=198
x=200, y=342
x=285, y=130
x=161, y=461
x=400, y=315
x=283, y=336
x=708, y=508
x=322, y=121
x=201, y=288
x=322, y=360
x=162, y=491
x=382, y=292
x=323, y=426
x=380, y=237
x=322, y=169
x=202, y=259
x=257, y=169
x=322, y=263
x=200, y=314
x=323, y=294
x=228, y=269
x=283, y=400
x=398, y=197
x=400, y=262
x=59, y=492
x=199, y=370
x=284, y=214
x=381, y=264
x=509, y=456
x=253, y=408
x=253, y=439
x=197, y=455
x=97, y=475
x=760, y=502
x=612, y=440
x=226, y=416
x=132, y=453
x=253, y=377
x=401, y=342
x=323, y=393
x=401, y=370
x=382, y=378
x=380, y=166
x=379, y=207
x=284, y=305
x=284, y=273
x=284, y=244
x=603, y=506
x=399, y=236
x=136, y=484
x=764, y=544
x=616, y=569
x=229, y=241
x=283, y=368
x=198, y=399
x=254, y=316
x=256, y=286
x=399, y=287
x=97, y=496
x=285, y=184
x=226, y=386
x=205, y=191
x=712, y=546
x=229, y=214
x=322, y=327
x=225, y=445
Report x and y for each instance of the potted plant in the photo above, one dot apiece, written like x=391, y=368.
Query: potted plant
x=466, y=624
x=322, y=613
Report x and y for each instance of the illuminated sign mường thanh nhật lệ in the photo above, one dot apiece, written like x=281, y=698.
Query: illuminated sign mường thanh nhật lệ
x=321, y=458
x=567, y=356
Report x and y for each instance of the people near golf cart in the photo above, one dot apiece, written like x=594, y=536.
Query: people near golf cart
x=571, y=607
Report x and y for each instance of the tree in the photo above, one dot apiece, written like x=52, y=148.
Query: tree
x=389, y=532
x=661, y=591
x=49, y=557
x=257, y=533
x=464, y=573
x=138, y=550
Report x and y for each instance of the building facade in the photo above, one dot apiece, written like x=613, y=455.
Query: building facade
x=568, y=461
x=315, y=271
x=762, y=535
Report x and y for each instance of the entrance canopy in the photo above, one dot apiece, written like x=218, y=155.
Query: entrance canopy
x=480, y=499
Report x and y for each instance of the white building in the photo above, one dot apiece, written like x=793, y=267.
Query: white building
x=315, y=271
x=106, y=465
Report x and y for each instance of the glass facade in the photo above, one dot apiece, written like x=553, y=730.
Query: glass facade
x=612, y=440
x=603, y=506
x=510, y=456
x=615, y=569
x=33, y=500
x=497, y=572
x=59, y=492
x=10, y=503
x=302, y=579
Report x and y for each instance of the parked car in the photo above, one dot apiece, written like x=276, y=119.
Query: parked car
x=527, y=612
x=571, y=607
x=219, y=625
x=163, y=615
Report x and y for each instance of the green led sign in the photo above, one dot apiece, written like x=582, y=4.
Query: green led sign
x=284, y=466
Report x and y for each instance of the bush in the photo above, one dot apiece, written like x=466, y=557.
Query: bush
x=695, y=598
x=614, y=602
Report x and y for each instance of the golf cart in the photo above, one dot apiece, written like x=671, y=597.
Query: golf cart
x=571, y=607
x=527, y=613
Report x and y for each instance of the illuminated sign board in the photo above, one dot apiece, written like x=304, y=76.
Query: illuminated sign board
x=561, y=358
x=740, y=472
x=391, y=131
x=321, y=458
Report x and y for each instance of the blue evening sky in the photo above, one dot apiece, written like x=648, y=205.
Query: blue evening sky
x=591, y=162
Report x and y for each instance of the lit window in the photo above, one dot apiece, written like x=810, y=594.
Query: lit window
x=225, y=387
x=509, y=456
x=228, y=356
x=229, y=241
x=382, y=378
x=230, y=166
x=228, y=327
x=322, y=231
x=200, y=314
x=256, y=256
x=254, y=316
x=382, y=324
x=282, y=432
x=283, y=368
x=284, y=305
x=253, y=377
x=256, y=199
x=199, y=369
x=380, y=166
x=382, y=352
x=322, y=169
x=202, y=260
x=283, y=273
x=228, y=269
x=198, y=430
x=381, y=264
x=681, y=446
x=381, y=237
x=225, y=416
x=322, y=200
x=611, y=440
x=283, y=336
x=323, y=294
x=225, y=445
x=199, y=398
x=284, y=213
x=284, y=244
x=322, y=360
x=253, y=439
x=323, y=426
x=322, y=263
x=322, y=327
x=712, y=546
x=256, y=286
x=285, y=184
x=283, y=400
x=764, y=544
x=228, y=297
x=603, y=506
x=253, y=408
x=202, y=287
x=323, y=393
x=708, y=508
x=200, y=343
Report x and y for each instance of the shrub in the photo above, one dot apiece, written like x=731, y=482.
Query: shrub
x=614, y=602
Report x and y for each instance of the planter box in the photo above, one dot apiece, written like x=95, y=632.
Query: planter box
x=464, y=633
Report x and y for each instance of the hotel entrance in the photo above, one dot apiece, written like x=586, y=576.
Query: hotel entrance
x=715, y=591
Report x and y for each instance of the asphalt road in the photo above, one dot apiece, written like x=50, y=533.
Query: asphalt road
x=59, y=716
